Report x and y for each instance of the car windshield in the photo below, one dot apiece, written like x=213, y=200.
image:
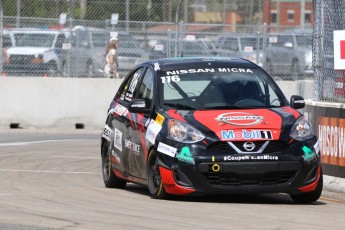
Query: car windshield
x=219, y=88
x=34, y=39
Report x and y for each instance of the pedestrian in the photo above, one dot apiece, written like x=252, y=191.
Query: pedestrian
x=111, y=66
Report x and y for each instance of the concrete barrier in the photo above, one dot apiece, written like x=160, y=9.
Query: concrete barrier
x=64, y=102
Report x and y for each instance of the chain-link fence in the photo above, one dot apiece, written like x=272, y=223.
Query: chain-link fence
x=329, y=83
x=68, y=38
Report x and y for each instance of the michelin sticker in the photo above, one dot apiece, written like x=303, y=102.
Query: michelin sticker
x=152, y=131
x=107, y=132
x=118, y=139
x=166, y=149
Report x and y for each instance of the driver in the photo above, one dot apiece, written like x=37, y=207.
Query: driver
x=232, y=91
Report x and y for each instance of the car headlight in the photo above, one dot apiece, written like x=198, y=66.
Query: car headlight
x=301, y=130
x=182, y=132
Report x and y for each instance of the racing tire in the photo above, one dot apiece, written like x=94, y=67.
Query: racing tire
x=109, y=178
x=154, y=179
x=309, y=197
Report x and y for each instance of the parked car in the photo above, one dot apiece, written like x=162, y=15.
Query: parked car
x=8, y=41
x=187, y=126
x=85, y=52
x=290, y=54
x=36, y=52
x=185, y=48
x=247, y=46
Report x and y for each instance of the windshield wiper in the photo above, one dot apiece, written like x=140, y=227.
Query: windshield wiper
x=180, y=106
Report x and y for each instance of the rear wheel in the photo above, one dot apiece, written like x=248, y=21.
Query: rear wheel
x=310, y=197
x=109, y=178
x=155, y=183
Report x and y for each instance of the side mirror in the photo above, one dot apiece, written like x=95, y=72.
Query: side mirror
x=138, y=106
x=297, y=102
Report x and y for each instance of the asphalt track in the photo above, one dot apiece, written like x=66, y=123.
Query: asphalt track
x=50, y=179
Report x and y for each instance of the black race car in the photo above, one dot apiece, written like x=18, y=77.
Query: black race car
x=209, y=126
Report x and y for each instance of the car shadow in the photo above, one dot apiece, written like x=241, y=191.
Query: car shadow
x=277, y=198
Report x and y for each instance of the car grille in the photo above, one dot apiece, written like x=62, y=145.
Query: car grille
x=21, y=59
x=231, y=179
x=273, y=146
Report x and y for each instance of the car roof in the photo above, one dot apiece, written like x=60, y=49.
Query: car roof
x=200, y=62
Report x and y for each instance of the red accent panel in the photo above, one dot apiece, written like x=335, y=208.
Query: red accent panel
x=170, y=185
x=313, y=185
x=271, y=121
x=342, y=49
x=173, y=114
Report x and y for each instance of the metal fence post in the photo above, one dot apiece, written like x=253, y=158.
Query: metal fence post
x=1, y=34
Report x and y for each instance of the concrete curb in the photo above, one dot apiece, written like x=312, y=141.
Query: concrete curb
x=334, y=184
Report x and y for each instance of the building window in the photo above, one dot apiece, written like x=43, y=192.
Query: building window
x=307, y=17
x=274, y=17
x=291, y=15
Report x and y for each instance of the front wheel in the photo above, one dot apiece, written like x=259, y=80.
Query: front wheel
x=154, y=178
x=109, y=178
x=312, y=196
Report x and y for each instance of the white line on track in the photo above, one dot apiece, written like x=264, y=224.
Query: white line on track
x=37, y=142
x=47, y=171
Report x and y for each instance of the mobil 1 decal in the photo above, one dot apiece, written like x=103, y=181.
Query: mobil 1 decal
x=174, y=75
x=246, y=134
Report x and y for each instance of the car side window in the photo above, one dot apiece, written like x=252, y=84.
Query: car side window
x=128, y=88
x=146, y=87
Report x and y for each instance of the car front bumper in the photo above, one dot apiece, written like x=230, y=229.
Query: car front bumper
x=212, y=174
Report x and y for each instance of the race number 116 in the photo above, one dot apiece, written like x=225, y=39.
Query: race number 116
x=168, y=79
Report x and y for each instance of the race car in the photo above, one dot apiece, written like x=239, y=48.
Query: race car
x=204, y=126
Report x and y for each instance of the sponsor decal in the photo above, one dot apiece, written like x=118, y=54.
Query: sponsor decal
x=251, y=157
x=331, y=140
x=166, y=149
x=240, y=118
x=120, y=110
x=317, y=147
x=156, y=66
x=107, y=132
x=308, y=153
x=209, y=70
x=186, y=156
x=118, y=139
x=152, y=131
x=133, y=146
x=246, y=135
x=160, y=119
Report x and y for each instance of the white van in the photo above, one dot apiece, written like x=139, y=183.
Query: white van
x=35, y=52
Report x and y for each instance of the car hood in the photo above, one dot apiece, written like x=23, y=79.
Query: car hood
x=243, y=125
x=28, y=50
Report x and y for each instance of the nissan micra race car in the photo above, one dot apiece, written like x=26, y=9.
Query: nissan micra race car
x=196, y=126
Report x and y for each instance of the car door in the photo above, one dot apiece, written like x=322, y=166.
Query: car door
x=136, y=142
x=126, y=148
